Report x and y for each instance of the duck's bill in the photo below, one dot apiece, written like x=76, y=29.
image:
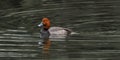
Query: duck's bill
x=41, y=24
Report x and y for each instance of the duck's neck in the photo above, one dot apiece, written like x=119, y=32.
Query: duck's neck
x=45, y=29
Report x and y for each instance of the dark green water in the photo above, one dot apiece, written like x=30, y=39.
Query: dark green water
x=96, y=23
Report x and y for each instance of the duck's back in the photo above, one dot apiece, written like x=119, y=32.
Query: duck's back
x=59, y=32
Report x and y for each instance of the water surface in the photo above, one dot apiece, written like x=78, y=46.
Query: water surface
x=96, y=23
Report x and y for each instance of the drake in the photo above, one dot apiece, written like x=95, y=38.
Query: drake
x=47, y=32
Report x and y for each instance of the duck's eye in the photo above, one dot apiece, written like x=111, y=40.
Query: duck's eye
x=44, y=24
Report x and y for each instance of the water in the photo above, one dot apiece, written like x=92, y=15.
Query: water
x=95, y=23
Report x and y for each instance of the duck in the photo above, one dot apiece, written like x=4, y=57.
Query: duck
x=46, y=31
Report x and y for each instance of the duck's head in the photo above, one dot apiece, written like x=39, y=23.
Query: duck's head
x=45, y=23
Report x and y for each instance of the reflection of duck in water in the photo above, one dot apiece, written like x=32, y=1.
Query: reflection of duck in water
x=52, y=32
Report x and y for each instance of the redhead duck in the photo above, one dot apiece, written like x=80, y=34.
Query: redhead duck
x=52, y=32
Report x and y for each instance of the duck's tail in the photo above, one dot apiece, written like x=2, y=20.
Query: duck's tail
x=68, y=30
